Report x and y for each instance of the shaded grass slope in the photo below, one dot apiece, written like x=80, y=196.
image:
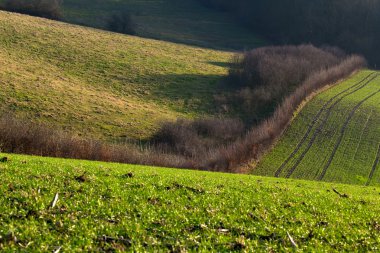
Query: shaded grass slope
x=112, y=207
x=335, y=137
x=105, y=85
x=186, y=21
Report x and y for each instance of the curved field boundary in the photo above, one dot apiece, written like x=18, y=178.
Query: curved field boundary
x=376, y=162
x=314, y=121
x=358, y=86
x=342, y=131
x=366, y=125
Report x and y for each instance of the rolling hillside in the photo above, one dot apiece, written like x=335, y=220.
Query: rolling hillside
x=335, y=137
x=115, y=208
x=102, y=84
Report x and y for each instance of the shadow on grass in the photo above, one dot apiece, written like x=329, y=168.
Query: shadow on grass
x=188, y=93
x=222, y=64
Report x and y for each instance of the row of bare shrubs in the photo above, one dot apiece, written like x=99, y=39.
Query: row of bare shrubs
x=41, y=8
x=261, y=137
x=268, y=84
x=262, y=78
x=24, y=137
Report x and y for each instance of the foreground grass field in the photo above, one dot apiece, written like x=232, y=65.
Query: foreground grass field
x=102, y=84
x=112, y=207
x=336, y=136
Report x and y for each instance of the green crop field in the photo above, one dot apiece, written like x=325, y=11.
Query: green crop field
x=336, y=136
x=102, y=84
x=112, y=207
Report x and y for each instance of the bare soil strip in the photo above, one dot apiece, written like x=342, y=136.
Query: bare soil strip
x=342, y=131
x=376, y=162
x=314, y=121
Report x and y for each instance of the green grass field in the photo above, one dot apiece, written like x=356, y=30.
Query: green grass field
x=336, y=136
x=102, y=84
x=112, y=207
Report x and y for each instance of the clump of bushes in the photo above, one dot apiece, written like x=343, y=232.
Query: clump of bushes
x=194, y=138
x=268, y=84
x=122, y=23
x=42, y=8
x=262, y=136
x=261, y=78
x=25, y=137
x=278, y=68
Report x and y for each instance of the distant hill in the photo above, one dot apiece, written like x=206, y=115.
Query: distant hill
x=102, y=84
x=336, y=136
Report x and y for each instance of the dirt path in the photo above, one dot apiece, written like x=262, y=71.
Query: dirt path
x=376, y=162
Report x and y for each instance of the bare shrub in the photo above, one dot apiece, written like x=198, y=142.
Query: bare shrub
x=262, y=77
x=280, y=67
x=193, y=138
x=42, y=8
x=122, y=23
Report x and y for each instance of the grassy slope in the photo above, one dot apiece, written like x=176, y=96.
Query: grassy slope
x=352, y=149
x=157, y=208
x=185, y=21
x=99, y=83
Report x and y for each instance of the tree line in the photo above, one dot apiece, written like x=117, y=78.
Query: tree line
x=353, y=25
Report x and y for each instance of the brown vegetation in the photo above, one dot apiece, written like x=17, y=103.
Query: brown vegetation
x=194, y=138
x=261, y=137
x=268, y=84
x=20, y=136
x=262, y=78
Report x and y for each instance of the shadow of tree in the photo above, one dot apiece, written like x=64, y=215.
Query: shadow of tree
x=187, y=93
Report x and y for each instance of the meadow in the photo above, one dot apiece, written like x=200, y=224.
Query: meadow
x=335, y=137
x=72, y=205
x=100, y=84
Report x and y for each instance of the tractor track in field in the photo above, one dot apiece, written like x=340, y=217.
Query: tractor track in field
x=375, y=163
x=365, y=128
x=323, y=123
x=342, y=131
x=314, y=121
